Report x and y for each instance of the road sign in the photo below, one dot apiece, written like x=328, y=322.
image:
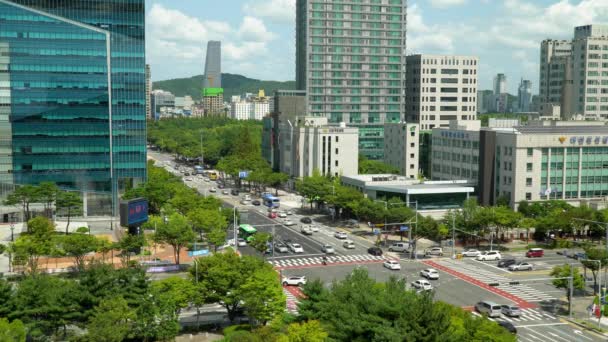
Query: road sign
x=376, y=231
x=404, y=228
x=198, y=252
x=243, y=174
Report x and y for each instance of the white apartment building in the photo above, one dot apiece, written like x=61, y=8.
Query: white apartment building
x=566, y=160
x=311, y=144
x=590, y=71
x=440, y=89
x=249, y=108
x=185, y=102
x=401, y=147
x=240, y=110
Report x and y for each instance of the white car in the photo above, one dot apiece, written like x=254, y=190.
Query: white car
x=392, y=265
x=289, y=222
x=341, y=235
x=295, y=247
x=241, y=242
x=282, y=214
x=349, y=244
x=422, y=284
x=289, y=212
x=212, y=190
x=489, y=255
x=328, y=249
x=521, y=266
x=430, y=274
x=189, y=179
x=294, y=280
x=471, y=253
x=314, y=228
x=435, y=251
x=225, y=192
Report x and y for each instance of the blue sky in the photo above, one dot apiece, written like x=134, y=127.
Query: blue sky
x=258, y=36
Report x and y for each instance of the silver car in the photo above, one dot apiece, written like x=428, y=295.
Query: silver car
x=510, y=310
x=328, y=249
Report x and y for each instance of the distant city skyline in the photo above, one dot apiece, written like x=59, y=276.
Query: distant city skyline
x=258, y=38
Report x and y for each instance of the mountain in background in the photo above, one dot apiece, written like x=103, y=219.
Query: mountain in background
x=232, y=84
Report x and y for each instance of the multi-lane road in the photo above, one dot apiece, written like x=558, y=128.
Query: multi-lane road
x=461, y=282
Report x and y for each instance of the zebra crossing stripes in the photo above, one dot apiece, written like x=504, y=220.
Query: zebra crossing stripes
x=522, y=291
x=291, y=302
x=333, y=259
x=528, y=315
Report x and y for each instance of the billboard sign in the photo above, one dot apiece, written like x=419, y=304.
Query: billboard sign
x=199, y=252
x=133, y=212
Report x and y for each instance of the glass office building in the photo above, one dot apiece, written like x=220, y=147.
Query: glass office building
x=72, y=96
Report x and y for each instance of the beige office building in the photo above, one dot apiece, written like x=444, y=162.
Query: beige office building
x=440, y=89
x=553, y=57
x=401, y=148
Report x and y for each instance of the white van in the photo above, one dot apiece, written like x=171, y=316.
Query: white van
x=488, y=308
x=399, y=247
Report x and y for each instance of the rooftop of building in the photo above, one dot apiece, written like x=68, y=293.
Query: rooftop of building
x=400, y=184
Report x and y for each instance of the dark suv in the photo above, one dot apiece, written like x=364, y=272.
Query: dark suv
x=234, y=192
x=506, y=262
x=374, y=251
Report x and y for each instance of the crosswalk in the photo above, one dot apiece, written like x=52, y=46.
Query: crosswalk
x=292, y=302
x=522, y=291
x=528, y=315
x=333, y=259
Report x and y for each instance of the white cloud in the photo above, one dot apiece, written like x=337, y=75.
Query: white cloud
x=446, y=3
x=253, y=29
x=278, y=11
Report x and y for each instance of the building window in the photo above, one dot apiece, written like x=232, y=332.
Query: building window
x=336, y=149
x=336, y=163
x=336, y=140
x=411, y=166
x=528, y=196
x=530, y=152
x=528, y=181
x=529, y=167
x=411, y=155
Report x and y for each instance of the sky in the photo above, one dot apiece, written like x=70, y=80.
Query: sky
x=258, y=36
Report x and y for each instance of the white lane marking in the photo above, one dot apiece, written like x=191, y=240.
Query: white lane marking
x=540, y=336
x=581, y=334
x=557, y=336
x=539, y=325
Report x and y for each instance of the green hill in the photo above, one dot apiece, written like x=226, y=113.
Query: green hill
x=233, y=85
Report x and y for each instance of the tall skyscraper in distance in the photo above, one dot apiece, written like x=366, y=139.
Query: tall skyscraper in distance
x=524, y=95
x=213, y=65
x=350, y=60
x=75, y=113
x=441, y=89
x=500, y=84
x=148, y=93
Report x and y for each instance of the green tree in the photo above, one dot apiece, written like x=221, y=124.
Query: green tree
x=46, y=192
x=276, y=180
x=591, y=262
x=561, y=273
x=28, y=248
x=176, y=232
x=310, y=331
x=112, y=321
x=367, y=166
x=23, y=195
x=263, y=296
x=71, y=203
x=177, y=290
x=12, y=331
x=314, y=188
x=223, y=275
x=78, y=246
x=505, y=219
x=128, y=244
x=260, y=241
x=208, y=221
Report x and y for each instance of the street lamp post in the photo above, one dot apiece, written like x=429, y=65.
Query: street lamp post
x=235, y=229
x=12, y=232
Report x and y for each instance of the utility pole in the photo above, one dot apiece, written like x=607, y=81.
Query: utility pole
x=454, y=236
x=235, y=229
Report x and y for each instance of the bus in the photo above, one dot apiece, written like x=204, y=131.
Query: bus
x=198, y=169
x=271, y=201
x=212, y=175
x=246, y=231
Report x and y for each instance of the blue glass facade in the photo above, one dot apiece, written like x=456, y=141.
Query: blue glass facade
x=72, y=95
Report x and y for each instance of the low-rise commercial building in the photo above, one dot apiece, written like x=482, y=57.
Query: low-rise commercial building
x=543, y=160
x=401, y=143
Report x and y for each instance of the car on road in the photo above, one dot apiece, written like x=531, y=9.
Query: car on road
x=506, y=262
x=297, y=280
x=340, y=235
x=225, y=192
x=245, y=202
x=206, y=179
x=306, y=220
x=352, y=223
x=430, y=274
x=289, y=212
x=434, y=251
x=580, y=256
x=521, y=266
x=256, y=202
x=535, y=253
x=187, y=174
x=295, y=247
x=471, y=253
x=374, y=251
x=288, y=222
x=392, y=265
x=399, y=247
x=241, y=242
x=213, y=190
x=328, y=249
x=422, y=284
x=348, y=244
x=189, y=179
x=280, y=247
x=220, y=186
x=509, y=326
x=488, y=308
x=234, y=192
x=282, y=214
x=314, y=228
x=306, y=230
x=489, y=255
x=510, y=310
